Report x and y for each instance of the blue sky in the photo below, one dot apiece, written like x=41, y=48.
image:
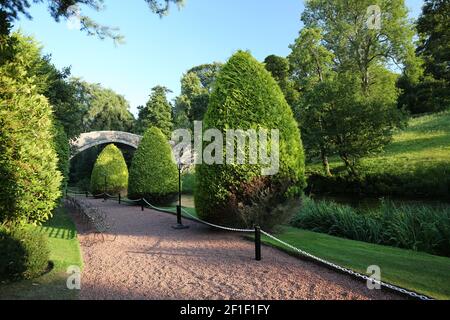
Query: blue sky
x=159, y=51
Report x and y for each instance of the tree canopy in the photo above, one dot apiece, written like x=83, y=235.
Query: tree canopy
x=156, y=113
x=64, y=9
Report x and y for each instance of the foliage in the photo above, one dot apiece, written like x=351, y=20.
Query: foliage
x=196, y=87
x=415, y=164
x=245, y=96
x=356, y=46
x=63, y=9
x=25, y=253
x=157, y=113
x=279, y=68
x=433, y=27
x=430, y=92
x=420, y=228
x=153, y=172
x=62, y=148
x=28, y=162
x=110, y=173
x=106, y=110
x=61, y=236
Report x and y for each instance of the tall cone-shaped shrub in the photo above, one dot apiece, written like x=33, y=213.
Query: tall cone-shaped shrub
x=110, y=172
x=245, y=96
x=153, y=172
x=29, y=179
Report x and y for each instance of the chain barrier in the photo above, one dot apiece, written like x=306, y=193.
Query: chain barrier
x=302, y=252
x=348, y=271
x=215, y=225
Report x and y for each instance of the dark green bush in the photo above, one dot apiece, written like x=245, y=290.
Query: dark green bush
x=418, y=227
x=153, y=172
x=29, y=177
x=24, y=253
x=110, y=173
x=62, y=148
x=245, y=96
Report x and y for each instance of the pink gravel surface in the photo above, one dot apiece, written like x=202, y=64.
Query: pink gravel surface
x=150, y=260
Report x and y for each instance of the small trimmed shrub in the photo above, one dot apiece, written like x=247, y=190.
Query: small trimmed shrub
x=153, y=172
x=245, y=96
x=24, y=253
x=111, y=165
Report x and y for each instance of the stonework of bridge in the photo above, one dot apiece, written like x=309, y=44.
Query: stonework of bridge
x=91, y=139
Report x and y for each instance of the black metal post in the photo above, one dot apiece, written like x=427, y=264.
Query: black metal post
x=104, y=191
x=179, y=225
x=120, y=199
x=142, y=205
x=258, y=243
x=87, y=194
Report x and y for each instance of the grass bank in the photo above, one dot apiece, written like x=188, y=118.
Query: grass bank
x=64, y=252
x=420, y=272
x=415, y=164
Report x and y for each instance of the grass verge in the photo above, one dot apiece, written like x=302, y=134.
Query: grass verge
x=421, y=272
x=64, y=252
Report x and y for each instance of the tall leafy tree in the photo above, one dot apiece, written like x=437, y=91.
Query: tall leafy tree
x=312, y=64
x=107, y=110
x=433, y=27
x=156, y=113
x=356, y=42
x=280, y=70
x=192, y=104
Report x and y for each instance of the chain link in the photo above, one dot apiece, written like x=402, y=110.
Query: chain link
x=348, y=271
x=215, y=225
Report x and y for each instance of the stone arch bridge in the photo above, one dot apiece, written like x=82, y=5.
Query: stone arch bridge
x=91, y=139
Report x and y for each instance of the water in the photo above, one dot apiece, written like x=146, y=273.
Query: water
x=361, y=203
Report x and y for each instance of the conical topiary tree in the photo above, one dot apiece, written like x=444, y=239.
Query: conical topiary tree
x=245, y=96
x=29, y=179
x=110, y=165
x=153, y=172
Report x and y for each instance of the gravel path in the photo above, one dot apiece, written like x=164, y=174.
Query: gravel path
x=150, y=260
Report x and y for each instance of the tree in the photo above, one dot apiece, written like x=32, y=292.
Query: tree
x=29, y=176
x=207, y=73
x=196, y=86
x=110, y=173
x=433, y=27
x=245, y=96
x=105, y=109
x=312, y=64
x=352, y=125
x=153, y=172
x=65, y=9
x=355, y=41
x=156, y=113
x=62, y=148
x=429, y=92
x=280, y=70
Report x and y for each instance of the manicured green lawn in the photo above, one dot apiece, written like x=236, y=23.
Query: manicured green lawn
x=417, y=162
x=64, y=252
x=420, y=272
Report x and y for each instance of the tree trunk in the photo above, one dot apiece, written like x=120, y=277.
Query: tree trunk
x=350, y=167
